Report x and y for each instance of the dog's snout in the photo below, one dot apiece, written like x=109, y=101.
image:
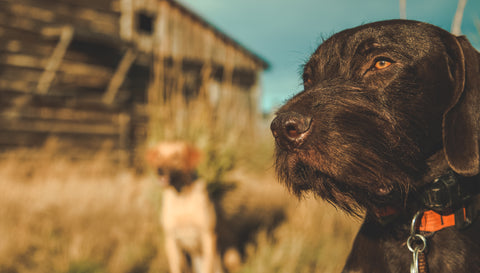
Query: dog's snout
x=291, y=127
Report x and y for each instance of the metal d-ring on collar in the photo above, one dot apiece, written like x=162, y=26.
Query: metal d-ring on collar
x=416, y=243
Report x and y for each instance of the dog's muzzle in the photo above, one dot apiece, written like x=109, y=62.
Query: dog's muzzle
x=290, y=129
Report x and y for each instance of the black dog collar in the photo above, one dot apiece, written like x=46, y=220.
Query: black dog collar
x=448, y=196
x=448, y=199
x=447, y=193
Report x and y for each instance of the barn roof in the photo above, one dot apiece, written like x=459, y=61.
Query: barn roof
x=217, y=31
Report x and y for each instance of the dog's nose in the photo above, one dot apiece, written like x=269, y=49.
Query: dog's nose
x=291, y=127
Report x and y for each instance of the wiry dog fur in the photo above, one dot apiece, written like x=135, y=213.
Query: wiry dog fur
x=385, y=105
x=188, y=215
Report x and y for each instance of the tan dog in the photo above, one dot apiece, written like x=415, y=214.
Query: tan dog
x=188, y=215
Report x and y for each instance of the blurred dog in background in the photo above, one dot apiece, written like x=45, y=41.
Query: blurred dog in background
x=188, y=215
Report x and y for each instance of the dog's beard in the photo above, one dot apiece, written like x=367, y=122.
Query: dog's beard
x=353, y=194
x=355, y=178
x=303, y=178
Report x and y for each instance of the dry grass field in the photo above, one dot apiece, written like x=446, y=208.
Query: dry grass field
x=59, y=216
x=63, y=216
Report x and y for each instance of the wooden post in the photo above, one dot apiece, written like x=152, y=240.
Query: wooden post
x=157, y=85
x=159, y=43
x=228, y=68
x=126, y=20
x=457, y=20
x=66, y=36
x=119, y=76
x=206, y=77
x=403, y=9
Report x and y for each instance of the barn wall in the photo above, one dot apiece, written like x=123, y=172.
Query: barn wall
x=85, y=71
x=56, y=60
x=178, y=33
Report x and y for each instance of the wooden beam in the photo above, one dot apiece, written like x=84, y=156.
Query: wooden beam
x=64, y=114
x=119, y=76
x=72, y=67
x=19, y=139
x=66, y=36
x=45, y=126
x=16, y=85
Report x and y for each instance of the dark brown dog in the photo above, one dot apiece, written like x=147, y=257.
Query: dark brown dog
x=387, y=109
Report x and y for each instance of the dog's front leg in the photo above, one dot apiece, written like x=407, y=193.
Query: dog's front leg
x=174, y=255
x=209, y=250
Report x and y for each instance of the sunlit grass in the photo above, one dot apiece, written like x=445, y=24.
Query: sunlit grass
x=59, y=216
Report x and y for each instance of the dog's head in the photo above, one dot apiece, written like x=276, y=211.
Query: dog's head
x=378, y=101
x=175, y=162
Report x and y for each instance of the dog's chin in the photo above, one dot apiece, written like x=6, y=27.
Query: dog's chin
x=302, y=179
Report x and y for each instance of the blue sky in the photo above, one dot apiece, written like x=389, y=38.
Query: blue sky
x=286, y=32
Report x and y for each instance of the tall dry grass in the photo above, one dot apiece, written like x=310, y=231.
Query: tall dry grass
x=61, y=216
x=313, y=238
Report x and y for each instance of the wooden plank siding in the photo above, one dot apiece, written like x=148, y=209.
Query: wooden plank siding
x=83, y=71
x=183, y=34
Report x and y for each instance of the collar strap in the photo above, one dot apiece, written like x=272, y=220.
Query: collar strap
x=433, y=221
x=447, y=194
x=448, y=203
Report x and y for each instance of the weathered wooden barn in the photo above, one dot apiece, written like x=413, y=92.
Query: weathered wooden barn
x=84, y=71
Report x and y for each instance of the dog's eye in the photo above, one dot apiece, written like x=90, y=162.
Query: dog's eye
x=307, y=78
x=307, y=81
x=382, y=64
x=379, y=63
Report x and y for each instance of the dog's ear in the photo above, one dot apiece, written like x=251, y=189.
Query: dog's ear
x=193, y=157
x=461, y=126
